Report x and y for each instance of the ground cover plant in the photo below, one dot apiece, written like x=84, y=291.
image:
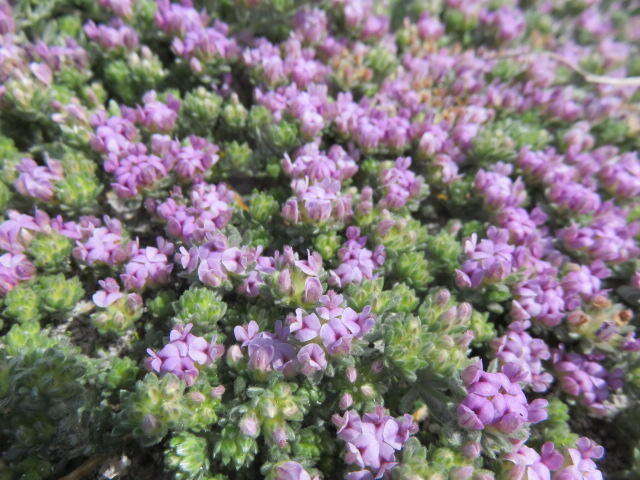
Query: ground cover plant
x=292, y=240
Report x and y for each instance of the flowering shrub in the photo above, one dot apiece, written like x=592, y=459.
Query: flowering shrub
x=296, y=240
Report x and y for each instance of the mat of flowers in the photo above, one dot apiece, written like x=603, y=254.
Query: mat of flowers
x=304, y=240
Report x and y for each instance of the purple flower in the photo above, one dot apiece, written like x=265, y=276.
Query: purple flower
x=495, y=401
x=113, y=135
x=148, y=267
x=372, y=440
x=38, y=181
x=508, y=22
x=304, y=327
x=122, y=8
x=429, y=27
x=583, y=377
x=266, y=351
x=291, y=471
x=358, y=262
x=215, y=260
x=175, y=18
x=499, y=191
x=103, y=244
x=400, y=184
x=525, y=462
x=183, y=354
x=207, y=210
x=488, y=261
x=109, y=294
x=621, y=175
x=14, y=268
x=7, y=23
x=311, y=359
x=574, y=196
x=609, y=237
x=154, y=115
x=112, y=36
x=311, y=24
x=319, y=202
x=578, y=464
x=522, y=357
x=540, y=298
x=17, y=231
x=310, y=162
x=582, y=284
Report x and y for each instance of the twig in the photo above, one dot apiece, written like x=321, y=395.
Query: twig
x=588, y=77
x=85, y=469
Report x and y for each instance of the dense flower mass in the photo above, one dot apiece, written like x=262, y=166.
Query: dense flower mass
x=341, y=239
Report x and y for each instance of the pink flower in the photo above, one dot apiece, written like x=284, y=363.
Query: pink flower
x=182, y=355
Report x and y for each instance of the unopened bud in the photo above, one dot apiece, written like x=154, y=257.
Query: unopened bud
x=367, y=390
x=377, y=366
x=600, y=301
x=471, y=450
x=249, y=425
x=346, y=401
x=234, y=354
x=280, y=437
x=196, y=397
x=464, y=311
x=217, y=392
x=443, y=296
x=149, y=423
x=577, y=318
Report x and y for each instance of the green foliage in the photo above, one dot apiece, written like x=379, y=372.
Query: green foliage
x=188, y=456
x=414, y=269
x=556, y=428
x=201, y=306
x=50, y=252
x=134, y=75
x=50, y=414
x=327, y=245
x=263, y=207
x=443, y=251
x=59, y=294
x=161, y=306
x=5, y=196
x=234, y=448
x=199, y=112
x=158, y=405
x=500, y=141
x=436, y=339
x=23, y=304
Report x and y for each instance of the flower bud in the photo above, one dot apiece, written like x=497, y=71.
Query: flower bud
x=352, y=374
x=471, y=450
x=442, y=297
x=284, y=281
x=217, y=392
x=249, y=425
x=149, y=423
x=345, y=401
x=368, y=390
x=312, y=290
x=280, y=437
x=234, y=354
x=196, y=397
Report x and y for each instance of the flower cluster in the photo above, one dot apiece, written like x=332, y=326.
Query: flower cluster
x=372, y=440
x=423, y=215
x=358, y=263
x=183, y=353
x=495, y=401
x=586, y=379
